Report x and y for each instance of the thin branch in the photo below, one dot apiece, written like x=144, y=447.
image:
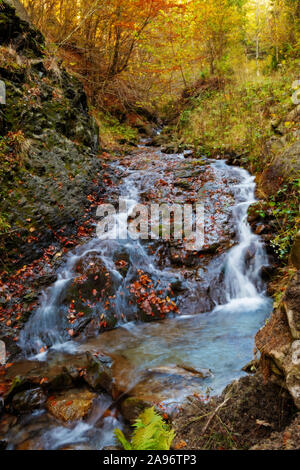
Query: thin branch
x=214, y=414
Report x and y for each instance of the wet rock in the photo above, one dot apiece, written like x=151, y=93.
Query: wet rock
x=77, y=447
x=267, y=272
x=181, y=371
x=89, y=295
x=183, y=184
x=178, y=287
x=122, y=262
x=72, y=405
x=132, y=407
x=203, y=373
x=153, y=386
x=7, y=421
x=28, y=429
x=170, y=149
x=124, y=376
x=61, y=371
x=188, y=153
x=261, y=228
x=28, y=400
x=99, y=374
x=30, y=444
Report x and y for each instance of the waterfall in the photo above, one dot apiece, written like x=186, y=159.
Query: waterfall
x=244, y=261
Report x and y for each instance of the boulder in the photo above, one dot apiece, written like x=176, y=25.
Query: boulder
x=292, y=306
x=29, y=400
x=20, y=9
x=132, y=407
x=88, y=301
x=285, y=164
x=279, y=342
x=72, y=405
x=98, y=373
x=61, y=371
x=59, y=166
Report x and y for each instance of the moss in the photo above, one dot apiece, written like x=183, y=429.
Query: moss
x=13, y=30
x=113, y=133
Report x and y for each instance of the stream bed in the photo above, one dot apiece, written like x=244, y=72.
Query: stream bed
x=180, y=321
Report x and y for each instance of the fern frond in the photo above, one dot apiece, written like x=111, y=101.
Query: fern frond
x=151, y=433
x=122, y=439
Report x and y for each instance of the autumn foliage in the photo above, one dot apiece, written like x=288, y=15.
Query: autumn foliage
x=141, y=52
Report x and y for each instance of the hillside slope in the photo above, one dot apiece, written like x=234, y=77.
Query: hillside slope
x=48, y=144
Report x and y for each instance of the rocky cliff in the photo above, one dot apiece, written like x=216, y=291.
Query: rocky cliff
x=48, y=143
x=51, y=175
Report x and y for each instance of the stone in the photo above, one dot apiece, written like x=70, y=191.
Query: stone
x=132, y=407
x=292, y=306
x=72, y=405
x=29, y=400
x=61, y=136
x=59, y=372
x=279, y=342
x=98, y=374
x=182, y=370
x=93, y=285
x=20, y=9
x=285, y=164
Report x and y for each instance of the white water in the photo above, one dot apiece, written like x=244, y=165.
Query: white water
x=221, y=340
x=243, y=287
x=47, y=325
x=243, y=283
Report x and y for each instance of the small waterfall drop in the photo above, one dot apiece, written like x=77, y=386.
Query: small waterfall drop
x=244, y=261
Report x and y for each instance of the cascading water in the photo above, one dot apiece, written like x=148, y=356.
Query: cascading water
x=219, y=341
x=242, y=288
x=48, y=325
x=243, y=282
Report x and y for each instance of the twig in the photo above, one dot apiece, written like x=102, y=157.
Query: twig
x=194, y=420
x=214, y=414
x=3, y=234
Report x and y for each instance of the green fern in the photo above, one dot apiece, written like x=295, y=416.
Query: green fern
x=151, y=433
